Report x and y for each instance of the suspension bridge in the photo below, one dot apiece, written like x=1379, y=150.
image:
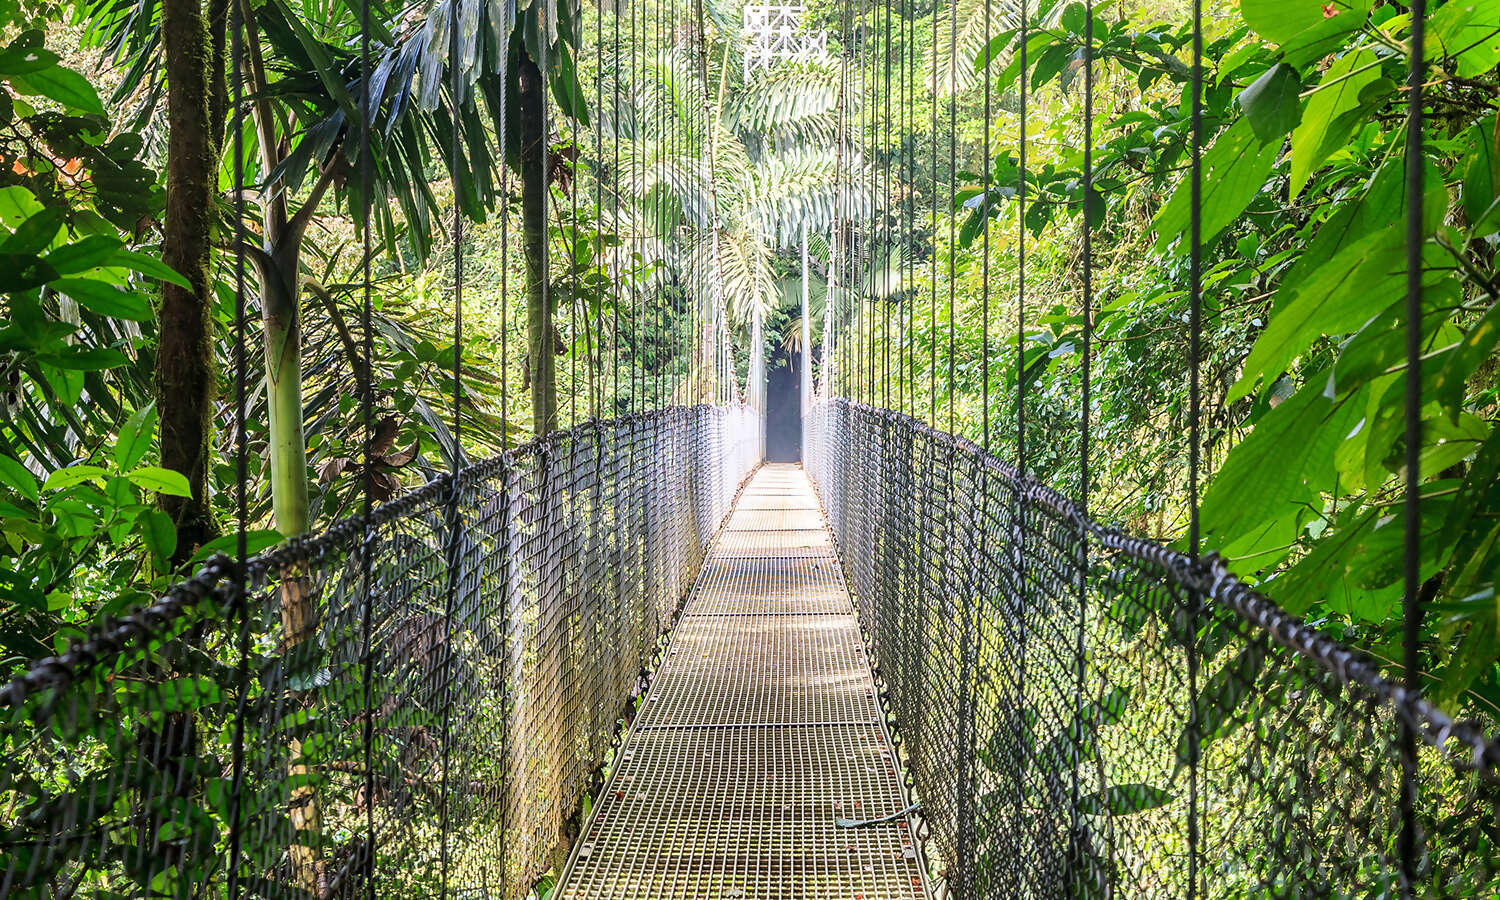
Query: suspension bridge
x=628, y=659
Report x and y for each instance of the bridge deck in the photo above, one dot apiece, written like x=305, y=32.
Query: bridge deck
x=760, y=729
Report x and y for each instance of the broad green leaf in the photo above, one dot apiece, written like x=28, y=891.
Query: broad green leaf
x=1235, y=169
x=1481, y=196
x=17, y=204
x=67, y=384
x=94, y=250
x=84, y=359
x=66, y=478
x=19, y=478
x=1285, y=462
x=23, y=60
x=163, y=481
x=135, y=437
x=1473, y=657
x=1480, y=490
x=1472, y=350
x=1469, y=32
x=33, y=235
x=1379, y=347
x=149, y=266
x=105, y=299
x=1339, y=297
x=63, y=85
x=158, y=532
x=1272, y=103
x=1281, y=21
x=1357, y=557
x=23, y=271
x=255, y=541
x=1381, y=202
x=1336, y=94
x=1123, y=800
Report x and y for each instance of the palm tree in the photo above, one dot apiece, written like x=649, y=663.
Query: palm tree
x=745, y=178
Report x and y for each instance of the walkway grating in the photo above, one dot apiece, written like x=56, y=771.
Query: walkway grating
x=760, y=728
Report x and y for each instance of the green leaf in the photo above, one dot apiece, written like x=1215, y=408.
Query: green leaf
x=84, y=359
x=1336, y=94
x=66, y=478
x=1475, y=347
x=1482, y=177
x=17, y=204
x=1123, y=800
x=149, y=266
x=1220, y=696
x=24, y=60
x=1280, y=21
x=1235, y=169
x=63, y=85
x=19, y=478
x=255, y=541
x=1468, y=31
x=163, y=481
x=1480, y=491
x=1339, y=297
x=34, y=235
x=1272, y=103
x=1285, y=462
x=94, y=250
x=135, y=437
x=1357, y=557
x=158, y=532
x=22, y=272
x=105, y=299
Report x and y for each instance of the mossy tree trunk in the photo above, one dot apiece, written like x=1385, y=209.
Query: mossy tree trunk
x=185, y=373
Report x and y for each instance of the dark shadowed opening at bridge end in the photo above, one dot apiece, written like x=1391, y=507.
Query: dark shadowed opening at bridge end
x=783, y=407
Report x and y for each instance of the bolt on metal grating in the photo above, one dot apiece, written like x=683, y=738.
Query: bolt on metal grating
x=760, y=729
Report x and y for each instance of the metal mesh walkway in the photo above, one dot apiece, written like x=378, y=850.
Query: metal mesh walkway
x=761, y=728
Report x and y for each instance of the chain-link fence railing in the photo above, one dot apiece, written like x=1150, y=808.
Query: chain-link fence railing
x=409, y=705
x=1086, y=714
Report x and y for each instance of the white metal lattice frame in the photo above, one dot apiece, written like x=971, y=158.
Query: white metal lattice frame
x=774, y=34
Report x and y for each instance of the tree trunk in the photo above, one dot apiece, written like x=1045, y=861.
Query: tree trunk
x=282, y=321
x=185, y=374
x=531, y=117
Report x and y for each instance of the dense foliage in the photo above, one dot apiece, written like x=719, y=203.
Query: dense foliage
x=1304, y=284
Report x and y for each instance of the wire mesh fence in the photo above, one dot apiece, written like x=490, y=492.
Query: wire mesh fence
x=408, y=705
x=1088, y=714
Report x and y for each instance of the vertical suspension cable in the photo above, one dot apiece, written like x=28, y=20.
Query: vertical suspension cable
x=573, y=313
x=1409, y=839
x=902, y=222
x=952, y=218
x=456, y=167
x=367, y=419
x=932, y=142
x=1083, y=438
x=984, y=298
x=600, y=408
x=1195, y=362
x=1022, y=38
x=1020, y=541
x=617, y=261
x=888, y=237
x=241, y=457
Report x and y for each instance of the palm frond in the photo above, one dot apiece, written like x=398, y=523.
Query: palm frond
x=962, y=35
x=802, y=191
